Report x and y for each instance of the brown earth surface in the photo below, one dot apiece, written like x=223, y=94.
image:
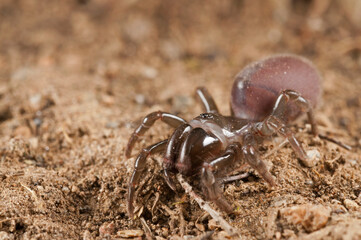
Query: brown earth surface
x=76, y=77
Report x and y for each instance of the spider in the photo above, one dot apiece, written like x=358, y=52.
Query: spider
x=266, y=95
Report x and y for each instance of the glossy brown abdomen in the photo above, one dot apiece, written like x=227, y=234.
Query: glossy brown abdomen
x=258, y=85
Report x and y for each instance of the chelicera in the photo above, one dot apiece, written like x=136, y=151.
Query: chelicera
x=266, y=95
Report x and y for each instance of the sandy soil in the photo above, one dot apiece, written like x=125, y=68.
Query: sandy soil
x=77, y=76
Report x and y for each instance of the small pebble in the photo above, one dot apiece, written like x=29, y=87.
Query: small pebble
x=288, y=234
x=140, y=99
x=351, y=205
x=107, y=229
x=278, y=235
x=75, y=189
x=6, y=236
x=87, y=235
x=35, y=101
x=200, y=227
x=65, y=190
x=149, y=72
x=213, y=225
x=165, y=232
x=314, y=157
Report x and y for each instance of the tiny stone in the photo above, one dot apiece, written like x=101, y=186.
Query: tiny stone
x=309, y=182
x=35, y=101
x=65, y=190
x=140, y=99
x=314, y=157
x=353, y=162
x=149, y=72
x=165, y=232
x=87, y=235
x=12, y=227
x=107, y=229
x=75, y=189
x=200, y=227
x=130, y=233
x=71, y=209
x=289, y=234
x=6, y=236
x=338, y=209
x=212, y=225
x=34, y=142
x=351, y=205
x=278, y=235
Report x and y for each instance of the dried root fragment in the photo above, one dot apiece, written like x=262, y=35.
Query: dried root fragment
x=205, y=206
x=130, y=233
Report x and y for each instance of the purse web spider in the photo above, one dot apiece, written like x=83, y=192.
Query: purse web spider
x=266, y=95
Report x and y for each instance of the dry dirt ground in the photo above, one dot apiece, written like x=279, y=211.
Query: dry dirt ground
x=77, y=76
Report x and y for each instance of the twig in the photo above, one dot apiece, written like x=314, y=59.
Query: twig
x=181, y=220
x=147, y=231
x=205, y=206
x=171, y=214
x=235, y=177
x=157, y=195
x=343, y=145
x=39, y=203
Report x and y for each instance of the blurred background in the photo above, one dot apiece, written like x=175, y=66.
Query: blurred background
x=131, y=43
x=140, y=47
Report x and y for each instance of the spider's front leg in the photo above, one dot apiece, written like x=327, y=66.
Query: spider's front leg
x=218, y=166
x=276, y=122
x=139, y=167
x=172, y=151
x=147, y=122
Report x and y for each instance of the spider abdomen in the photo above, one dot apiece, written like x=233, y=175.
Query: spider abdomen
x=258, y=85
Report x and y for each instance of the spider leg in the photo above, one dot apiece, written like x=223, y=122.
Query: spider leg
x=272, y=124
x=172, y=150
x=276, y=121
x=207, y=100
x=280, y=107
x=251, y=155
x=218, y=166
x=139, y=167
x=147, y=122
